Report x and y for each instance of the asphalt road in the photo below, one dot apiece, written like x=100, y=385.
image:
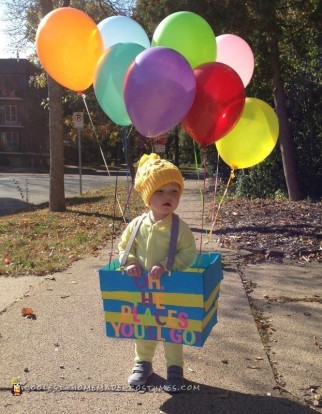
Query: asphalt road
x=19, y=190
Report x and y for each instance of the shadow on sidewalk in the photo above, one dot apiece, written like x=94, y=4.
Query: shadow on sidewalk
x=203, y=399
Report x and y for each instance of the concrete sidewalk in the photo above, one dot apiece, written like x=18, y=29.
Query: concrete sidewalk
x=66, y=364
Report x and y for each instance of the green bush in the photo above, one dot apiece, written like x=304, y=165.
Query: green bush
x=264, y=180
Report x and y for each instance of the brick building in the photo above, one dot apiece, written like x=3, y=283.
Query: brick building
x=24, y=136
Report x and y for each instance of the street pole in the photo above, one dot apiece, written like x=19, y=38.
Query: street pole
x=80, y=160
x=78, y=118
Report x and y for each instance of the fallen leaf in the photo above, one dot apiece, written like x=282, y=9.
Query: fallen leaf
x=6, y=261
x=27, y=312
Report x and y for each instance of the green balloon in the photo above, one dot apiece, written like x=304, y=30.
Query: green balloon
x=188, y=34
x=109, y=79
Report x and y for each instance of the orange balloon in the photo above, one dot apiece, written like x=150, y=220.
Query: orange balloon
x=69, y=45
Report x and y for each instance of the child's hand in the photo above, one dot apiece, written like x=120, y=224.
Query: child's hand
x=157, y=271
x=134, y=270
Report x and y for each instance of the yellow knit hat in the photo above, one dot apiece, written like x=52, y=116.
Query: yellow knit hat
x=154, y=172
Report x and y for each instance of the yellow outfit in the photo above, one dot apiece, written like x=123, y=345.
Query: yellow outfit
x=151, y=246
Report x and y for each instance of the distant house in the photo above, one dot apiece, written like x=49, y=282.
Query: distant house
x=24, y=136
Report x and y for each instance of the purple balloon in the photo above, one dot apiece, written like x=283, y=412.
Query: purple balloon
x=159, y=90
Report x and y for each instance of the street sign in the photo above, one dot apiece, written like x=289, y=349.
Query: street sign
x=161, y=140
x=78, y=118
x=159, y=148
x=159, y=144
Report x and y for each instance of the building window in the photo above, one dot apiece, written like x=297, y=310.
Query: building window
x=8, y=115
x=10, y=112
x=10, y=141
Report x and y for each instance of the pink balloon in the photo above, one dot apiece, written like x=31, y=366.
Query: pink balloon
x=236, y=53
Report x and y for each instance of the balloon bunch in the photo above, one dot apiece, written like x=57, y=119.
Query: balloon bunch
x=186, y=75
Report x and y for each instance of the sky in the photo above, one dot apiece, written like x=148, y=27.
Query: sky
x=5, y=53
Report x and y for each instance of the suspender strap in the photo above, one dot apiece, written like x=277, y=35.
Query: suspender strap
x=173, y=242
x=172, y=245
x=131, y=241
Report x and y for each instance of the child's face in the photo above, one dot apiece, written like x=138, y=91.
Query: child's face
x=165, y=200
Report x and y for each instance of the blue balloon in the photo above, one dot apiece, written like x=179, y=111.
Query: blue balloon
x=122, y=29
x=159, y=90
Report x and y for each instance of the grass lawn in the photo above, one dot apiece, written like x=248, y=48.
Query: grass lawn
x=40, y=242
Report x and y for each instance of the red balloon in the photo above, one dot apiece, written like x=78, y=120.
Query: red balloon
x=218, y=104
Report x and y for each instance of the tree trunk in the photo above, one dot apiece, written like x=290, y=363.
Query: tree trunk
x=286, y=140
x=56, y=185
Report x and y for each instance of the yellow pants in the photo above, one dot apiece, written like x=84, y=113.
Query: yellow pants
x=144, y=351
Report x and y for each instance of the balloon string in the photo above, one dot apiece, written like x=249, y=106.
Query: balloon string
x=127, y=203
x=126, y=148
x=101, y=151
x=203, y=198
x=196, y=160
x=216, y=188
x=113, y=226
x=197, y=170
x=129, y=190
x=232, y=176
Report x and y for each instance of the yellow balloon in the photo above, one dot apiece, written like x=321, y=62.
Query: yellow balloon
x=69, y=45
x=253, y=138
